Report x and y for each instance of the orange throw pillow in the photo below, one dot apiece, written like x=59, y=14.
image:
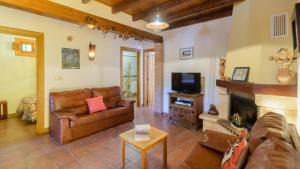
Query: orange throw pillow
x=236, y=155
x=96, y=104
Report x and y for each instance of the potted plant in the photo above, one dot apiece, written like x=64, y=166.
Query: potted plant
x=285, y=58
x=237, y=120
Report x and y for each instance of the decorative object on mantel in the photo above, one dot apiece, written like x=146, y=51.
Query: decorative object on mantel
x=284, y=58
x=186, y=53
x=70, y=58
x=237, y=121
x=92, y=24
x=241, y=74
x=222, y=68
x=213, y=110
x=92, y=50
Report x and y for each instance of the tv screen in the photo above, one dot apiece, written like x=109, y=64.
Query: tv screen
x=186, y=82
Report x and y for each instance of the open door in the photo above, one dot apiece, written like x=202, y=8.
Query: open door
x=148, y=78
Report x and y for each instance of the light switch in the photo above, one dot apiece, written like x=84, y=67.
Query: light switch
x=58, y=77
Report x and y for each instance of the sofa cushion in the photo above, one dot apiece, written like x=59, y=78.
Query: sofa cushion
x=203, y=158
x=68, y=99
x=88, y=118
x=117, y=111
x=236, y=156
x=217, y=141
x=76, y=110
x=274, y=154
x=111, y=95
x=95, y=104
x=269, y=125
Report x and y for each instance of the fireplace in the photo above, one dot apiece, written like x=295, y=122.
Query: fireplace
x=245, y=107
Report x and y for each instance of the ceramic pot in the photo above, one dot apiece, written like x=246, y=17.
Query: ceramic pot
x=284, y=76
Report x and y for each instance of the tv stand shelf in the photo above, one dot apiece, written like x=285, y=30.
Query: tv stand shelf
x=186, y=116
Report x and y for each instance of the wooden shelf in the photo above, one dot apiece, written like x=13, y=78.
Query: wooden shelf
x=265, y=89
x=182, y=106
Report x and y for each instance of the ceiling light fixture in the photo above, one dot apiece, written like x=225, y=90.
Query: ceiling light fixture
x=157, y=24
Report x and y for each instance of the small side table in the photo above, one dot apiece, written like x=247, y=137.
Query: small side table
x=157, y=136
x=3, y=109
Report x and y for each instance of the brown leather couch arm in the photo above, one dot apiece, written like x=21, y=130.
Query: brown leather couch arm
x=217, y=141
x=125, y=103
x=65, y=115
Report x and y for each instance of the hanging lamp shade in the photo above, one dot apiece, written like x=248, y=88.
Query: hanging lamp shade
x=157, y=24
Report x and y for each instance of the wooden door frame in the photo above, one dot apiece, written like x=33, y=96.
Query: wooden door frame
x=138, y=51
x=145, y=92
x=40, y=128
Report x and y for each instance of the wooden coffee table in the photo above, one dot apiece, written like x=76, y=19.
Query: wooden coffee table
x=157, y=136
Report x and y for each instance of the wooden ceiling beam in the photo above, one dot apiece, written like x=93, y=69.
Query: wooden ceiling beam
x=198, y=19
x=162, y=9
x=122, y=5
x=64, y=13
x=204, y=8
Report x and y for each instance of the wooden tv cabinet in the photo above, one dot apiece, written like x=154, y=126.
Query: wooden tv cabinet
x=186, y=116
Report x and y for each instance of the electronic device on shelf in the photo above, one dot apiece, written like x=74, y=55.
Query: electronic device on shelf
x=184, y=102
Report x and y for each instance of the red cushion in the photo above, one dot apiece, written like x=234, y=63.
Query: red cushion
x=235, y=157
x=96, y=104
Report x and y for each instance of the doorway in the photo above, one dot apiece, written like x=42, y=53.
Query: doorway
x=26, y=38
x=148, y=78
x=130, y=74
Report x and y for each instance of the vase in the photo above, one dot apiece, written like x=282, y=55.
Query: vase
x=284, y=76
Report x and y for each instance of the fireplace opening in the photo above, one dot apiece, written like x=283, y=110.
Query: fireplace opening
x=246, y=108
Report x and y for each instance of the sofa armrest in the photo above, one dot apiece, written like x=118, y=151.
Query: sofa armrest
x=217, y=141
x=125, y=103
x=65, y=115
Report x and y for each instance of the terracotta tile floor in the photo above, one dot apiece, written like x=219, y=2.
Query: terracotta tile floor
x=20, y=148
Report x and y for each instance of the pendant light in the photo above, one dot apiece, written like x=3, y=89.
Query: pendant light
x=157, y=23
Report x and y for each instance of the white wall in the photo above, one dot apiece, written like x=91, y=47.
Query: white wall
x=18, y=74
x=210, y=42
x=104, y=71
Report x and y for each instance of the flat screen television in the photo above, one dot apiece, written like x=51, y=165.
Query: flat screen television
x=186, y=82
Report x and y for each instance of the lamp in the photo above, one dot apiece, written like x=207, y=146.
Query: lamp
x=157, y=23
x=92, y=49
x=90, y=22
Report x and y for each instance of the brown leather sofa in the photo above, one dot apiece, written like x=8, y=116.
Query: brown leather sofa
x=70, y=118
x=273, y=144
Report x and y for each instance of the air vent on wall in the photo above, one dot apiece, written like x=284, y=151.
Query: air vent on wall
x=279, y=25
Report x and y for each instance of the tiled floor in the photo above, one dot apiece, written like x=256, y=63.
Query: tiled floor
x=20, y=148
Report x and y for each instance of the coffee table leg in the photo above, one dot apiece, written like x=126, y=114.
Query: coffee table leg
x=165, y=160
x=143, y=159
x=123, y=153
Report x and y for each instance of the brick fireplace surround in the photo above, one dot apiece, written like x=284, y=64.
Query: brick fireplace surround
x=280, y=99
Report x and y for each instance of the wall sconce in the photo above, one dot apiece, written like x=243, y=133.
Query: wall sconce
x=92, y=49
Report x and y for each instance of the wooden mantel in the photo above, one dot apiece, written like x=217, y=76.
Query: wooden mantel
x=61, y=12
x=266, y=89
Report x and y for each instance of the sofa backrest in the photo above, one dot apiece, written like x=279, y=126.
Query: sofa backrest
x=111, y=95
x=71, y=101
x=267, y=126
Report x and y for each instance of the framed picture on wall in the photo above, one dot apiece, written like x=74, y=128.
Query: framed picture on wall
x=186, y=53
x=241, y=74
x=70, y=58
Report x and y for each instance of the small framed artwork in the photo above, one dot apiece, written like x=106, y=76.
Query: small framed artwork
x=70, y=58
x=24, y=47
x=241, y=74
x=186, y=53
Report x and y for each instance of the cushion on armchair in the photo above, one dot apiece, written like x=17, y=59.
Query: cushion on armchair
x=217, y=141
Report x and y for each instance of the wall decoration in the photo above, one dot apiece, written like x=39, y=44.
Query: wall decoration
x=241, y=74
x=222, y=68
x=70, y=58
x=284, y=58
x=24, y=47
x=186, y=53
x=70, y=38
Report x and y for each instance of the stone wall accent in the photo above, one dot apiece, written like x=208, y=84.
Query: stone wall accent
x=159, y=77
